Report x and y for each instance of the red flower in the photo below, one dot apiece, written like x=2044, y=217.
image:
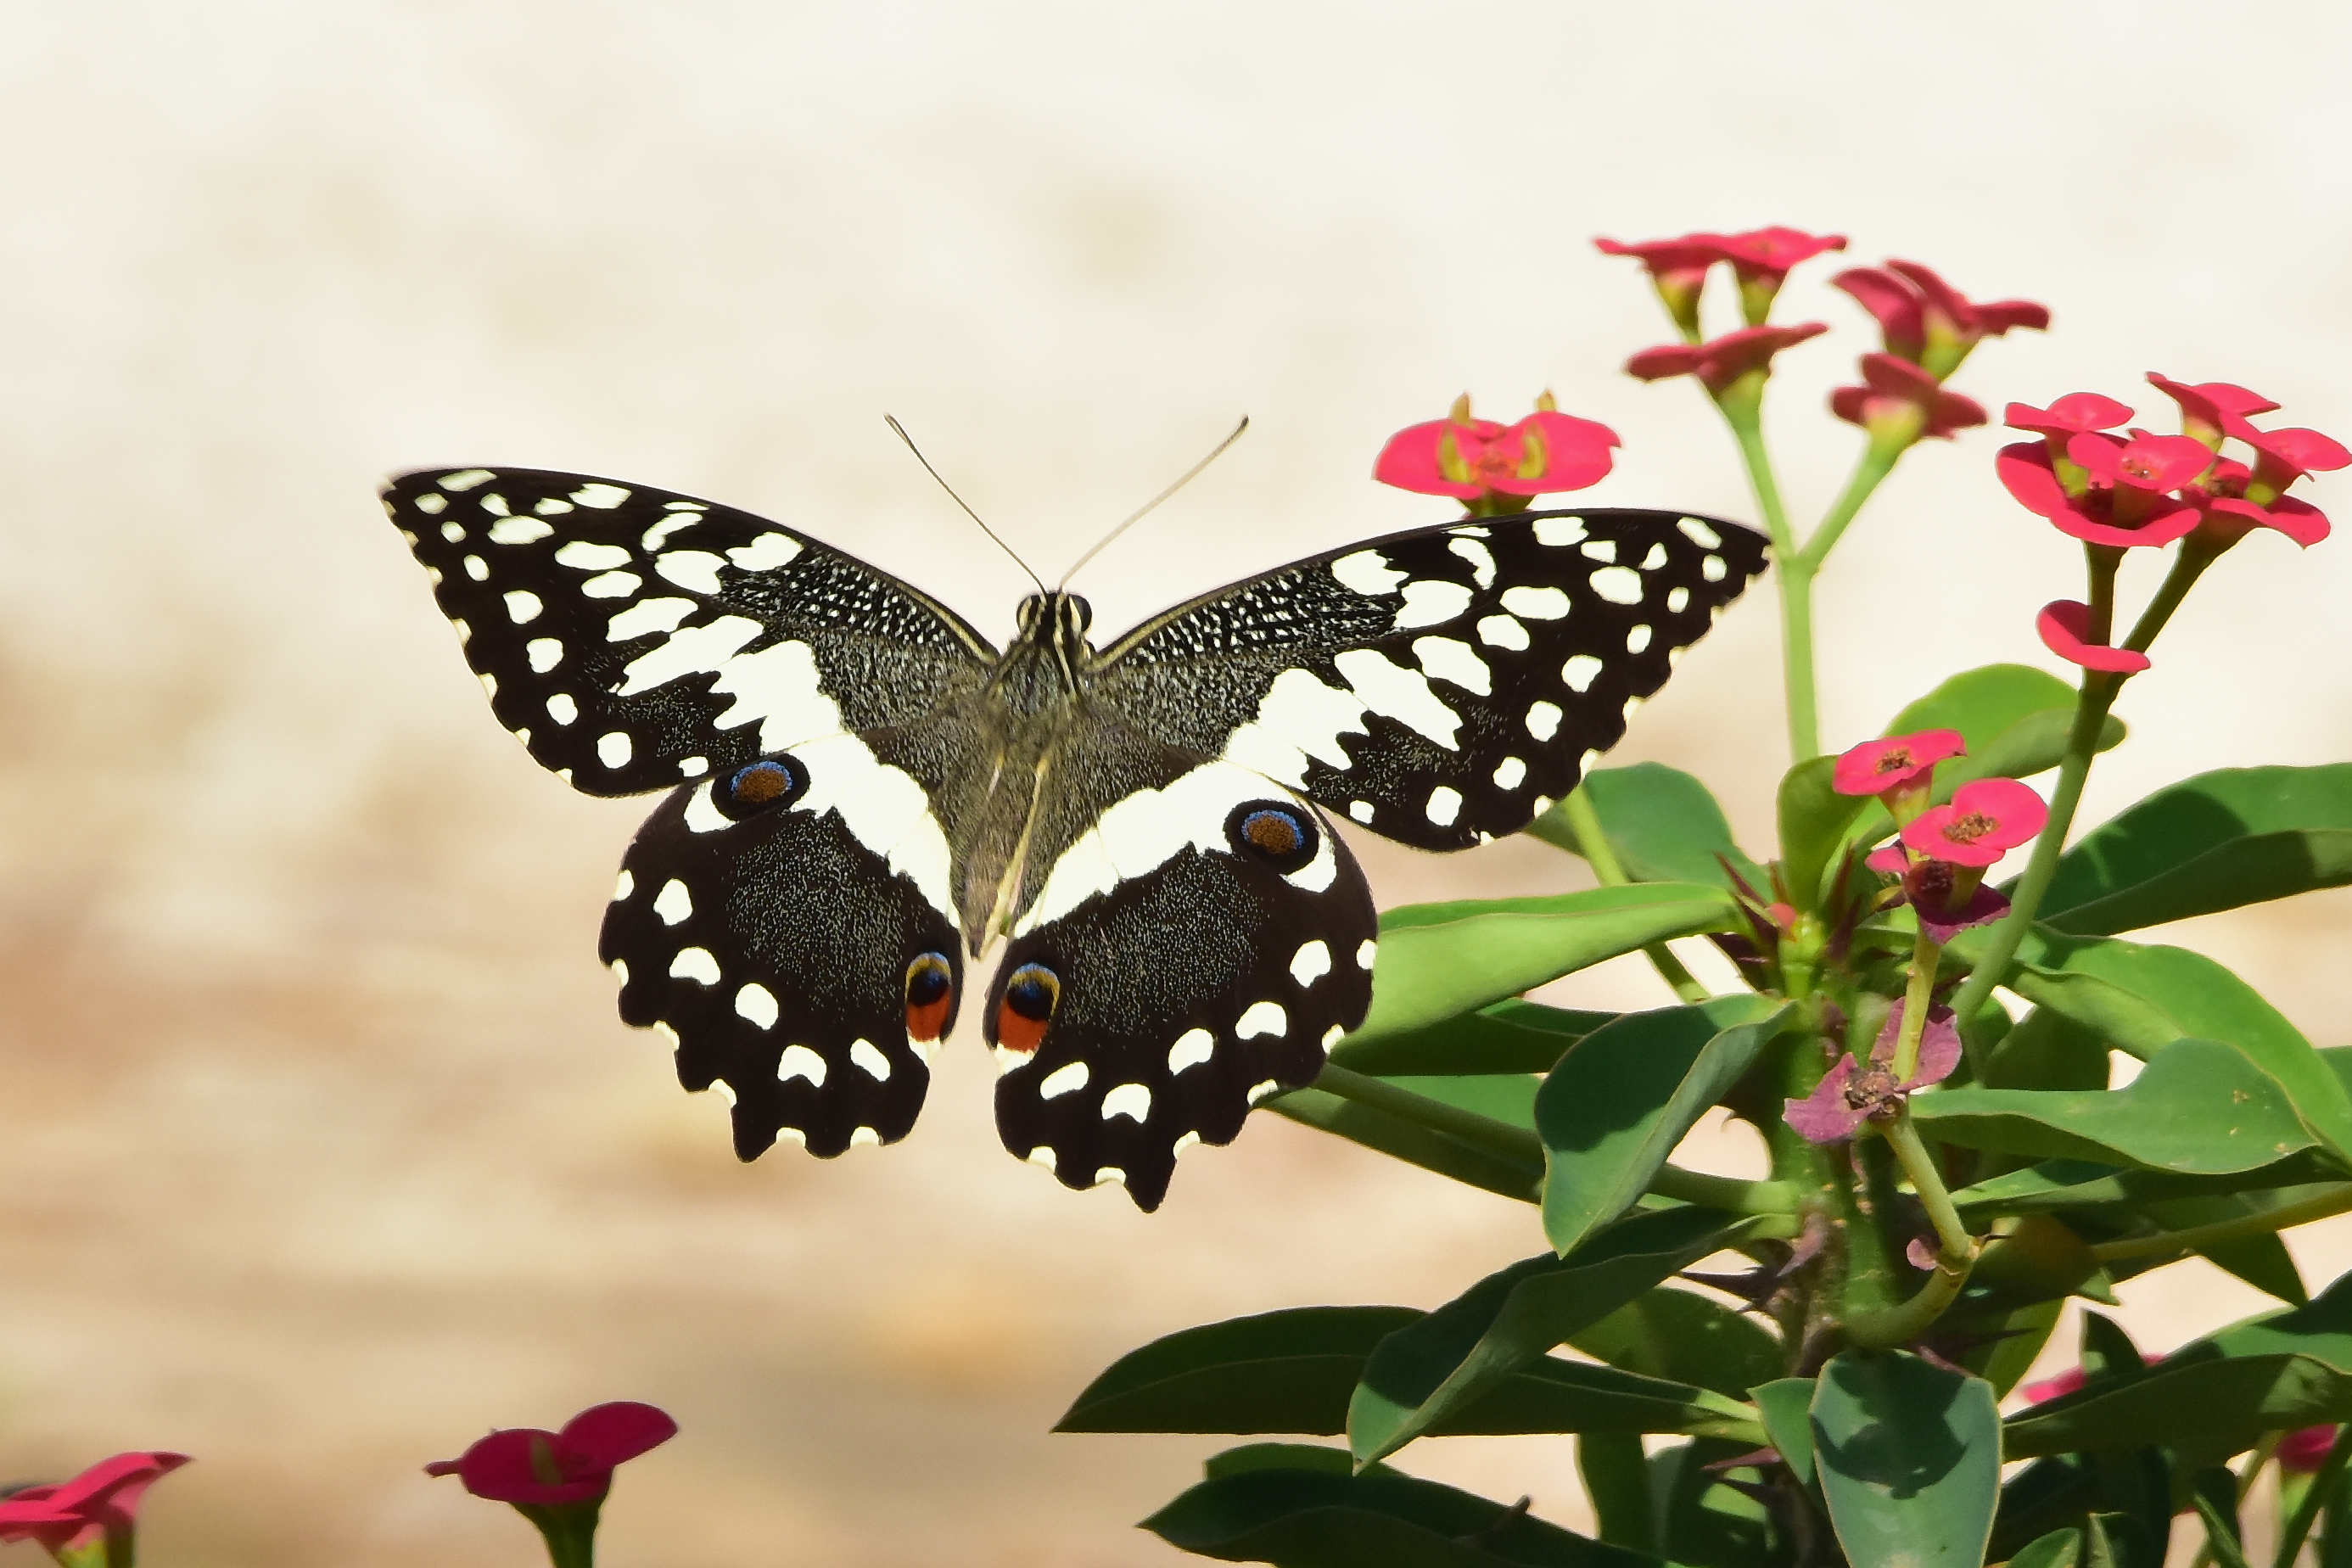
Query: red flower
x=2229, y=518
x=2069, y=415
x=1925, y=320
x=2282, y=457
x=1763, y=258
x=1480, y=461
x=2239, y=499
x=2151, y=463
x=1901, y=403
x=1719, y=361
x=1984, y=821
x=1849, y=1094
x=534, y=1468
x=92, y=1517
x=1897, y=761
x=1677, y=269
x=2119, y=515
x=2065, y=628
x=2212, y=409
x=2302, y=1450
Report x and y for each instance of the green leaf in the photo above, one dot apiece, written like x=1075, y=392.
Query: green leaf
x=2214, y=1396
x=2214, y=1492
x=2140, y=996
x=1289, y=1371
x=1662, y=824
x=1616, y=1476
x=2054, y=1186
x=1699, y=1518
x=1687, y=1338
x=1512, y=1036
x=1427, y=1371
x=1285, y=1457
x=1617, y=1104
x=1787, y=1404
x=1438, y=959
x=2218, y=841
x=1910, y=1460
x=2058, y=1549
x=1815, y=821
x=1409, y=1142
x=2260, y=1260
x=1312, y=1518
x=2199, y=1107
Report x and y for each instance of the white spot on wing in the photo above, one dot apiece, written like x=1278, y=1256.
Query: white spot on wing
x=1389, y=688
x=696, y=571
x=1132, y=1100
x=1618, y=585
x=799, y=1061
x=611, y=585
x=1333, y=1035
x=1481, y=559
x=1699, y=533
x=477, y=569
x=648, y=616
x=1543, y=720
x=1068, y=1079
x=1362, y=810
x=1298, y=718
x=562, y=708
x=1041, y=1155
x=1677, y=599
x=1430, y=601
x=1311, y=963
x=695, y=964
x=545, y=653
x=1713, y=568
x=523, y=605
x=1536, y=603
x=1455, y=661
x=1193, y=1047
x=1261, y=1018
x=1258, y=1091
x=673, y=903
x=453, y=531
x=1444, y=805
x=613, y=749
x=603, y=498
x=1579, y=672
x=1560, y=532
x=765, y=553
x=1601, y=550
x=1367, y=573
x=586, y=555
x=1502, y=631
x=1510, y=774
x=1365, y=950
x=869, y=1060
x=864, y=1138
x=756, y=1003
x=517, y=530
x=466, y=478
x=654, y=536
x=431, y=504
x=623, y=885
x=1638, y=640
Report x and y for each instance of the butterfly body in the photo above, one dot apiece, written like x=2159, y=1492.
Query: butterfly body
x=863, y=794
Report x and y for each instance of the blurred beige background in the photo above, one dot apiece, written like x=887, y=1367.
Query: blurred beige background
x=320, y=1148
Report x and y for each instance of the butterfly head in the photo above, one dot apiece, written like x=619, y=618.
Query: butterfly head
x=1057, y=617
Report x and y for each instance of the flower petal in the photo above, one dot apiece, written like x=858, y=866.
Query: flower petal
x=1409, y=462
x=1874, y=767
x=1575, y=454
x=611, y=1434
x=1823, y=1116
x=2074, y=413
x=2064, y=625
x=1892, y=303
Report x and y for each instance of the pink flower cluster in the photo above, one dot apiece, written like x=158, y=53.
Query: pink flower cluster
x=1944, y=851
x=89, y=1520
x=2141, y=490
x=1761, y=259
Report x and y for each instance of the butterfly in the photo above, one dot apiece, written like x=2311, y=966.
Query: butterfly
x=863, y=793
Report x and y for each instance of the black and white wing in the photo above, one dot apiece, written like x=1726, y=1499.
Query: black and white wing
x=1442, y=686
x=784, y=916
x=632, y=637
x=1197, y=949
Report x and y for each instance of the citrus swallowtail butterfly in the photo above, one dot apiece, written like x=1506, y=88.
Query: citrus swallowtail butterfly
x=862, y=792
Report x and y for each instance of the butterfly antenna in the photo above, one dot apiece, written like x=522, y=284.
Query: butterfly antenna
x=1140, y=513
x=901, y=431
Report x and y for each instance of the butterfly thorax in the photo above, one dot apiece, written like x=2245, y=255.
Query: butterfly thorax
x=1033, y=703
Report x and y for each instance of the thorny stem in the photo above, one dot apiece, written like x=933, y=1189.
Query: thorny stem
x=2190, y=1238
x=1585, y=823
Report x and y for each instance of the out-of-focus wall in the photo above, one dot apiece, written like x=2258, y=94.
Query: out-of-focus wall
x=320, y=1150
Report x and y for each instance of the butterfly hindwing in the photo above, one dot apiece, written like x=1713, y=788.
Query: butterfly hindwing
x=787, y=925
x=1200, y=948
x=1441, y=687
x=632, y=637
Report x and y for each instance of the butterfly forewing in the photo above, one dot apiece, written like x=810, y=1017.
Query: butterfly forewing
x=1442, y=686
x=632, y=637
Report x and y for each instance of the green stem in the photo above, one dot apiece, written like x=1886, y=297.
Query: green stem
x=1743, y=411
x=2187, y=567
x=2195, y=1238
x=1917, y=996
x=2097, y=694
x=2314, y=1498
x=1516, y=1145
x=1592, y=840
x=1728, y=1193
x=1954, y=1242
x=1877, y=462
x=1906, y=1322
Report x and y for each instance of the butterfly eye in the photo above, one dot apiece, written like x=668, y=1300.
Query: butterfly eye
x=930, y=995
x=762, y=786
x=1281, y=836
x=1030, y=997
